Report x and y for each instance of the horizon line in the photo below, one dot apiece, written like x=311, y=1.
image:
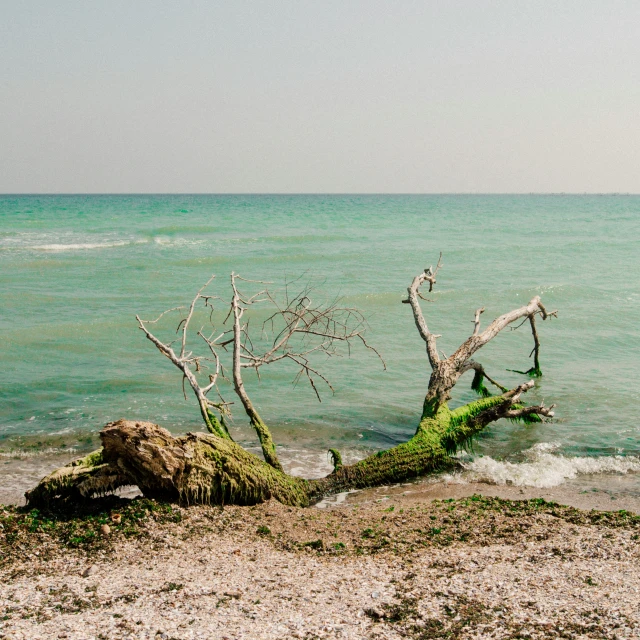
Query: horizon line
x=319, y=193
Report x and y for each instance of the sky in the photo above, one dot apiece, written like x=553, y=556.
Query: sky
x=346, y=96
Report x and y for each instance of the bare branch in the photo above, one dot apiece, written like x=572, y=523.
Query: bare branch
x=477, y=341
x=535, y=410
x=447, y=371
x=511, y=411
x=264, y=435
x=187, y=320
x=307, y=369
x=535, y=370
x=476, y=321
x=184, y=361
x=161, y=315
x=429, y=275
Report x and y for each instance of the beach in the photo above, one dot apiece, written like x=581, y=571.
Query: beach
x=397, y=566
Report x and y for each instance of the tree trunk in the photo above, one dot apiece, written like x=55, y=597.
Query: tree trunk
x=207, y=468
x=204, y=468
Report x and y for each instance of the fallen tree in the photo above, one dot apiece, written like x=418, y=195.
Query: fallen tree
x=212, y=468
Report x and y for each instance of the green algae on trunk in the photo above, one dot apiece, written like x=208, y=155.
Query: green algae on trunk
x=207, y=468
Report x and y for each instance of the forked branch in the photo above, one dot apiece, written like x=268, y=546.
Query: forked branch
x=448, y=370
x=187, y=361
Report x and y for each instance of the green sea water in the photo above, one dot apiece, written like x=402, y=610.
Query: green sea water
x=76, y=269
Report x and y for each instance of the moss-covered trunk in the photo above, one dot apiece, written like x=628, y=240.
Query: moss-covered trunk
x=206, y=468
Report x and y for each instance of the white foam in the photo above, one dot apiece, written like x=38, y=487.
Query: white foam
x=336, y=499
x=542, y=468
x=22, y=454
x=66, y=241
x=83, y=246
x=314, y=464
x=176, y=242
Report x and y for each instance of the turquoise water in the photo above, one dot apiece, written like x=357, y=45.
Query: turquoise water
x=75, y=270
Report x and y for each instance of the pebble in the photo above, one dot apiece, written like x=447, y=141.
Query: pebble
x=89, y=571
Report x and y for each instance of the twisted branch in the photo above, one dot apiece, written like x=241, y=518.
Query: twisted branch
x=185, y=362
x=428, y=275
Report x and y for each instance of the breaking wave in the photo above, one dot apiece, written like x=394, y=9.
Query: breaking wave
x=59, y=247
x=80, y=246
x=64, y=242
x=308, y=463
x=541, y=468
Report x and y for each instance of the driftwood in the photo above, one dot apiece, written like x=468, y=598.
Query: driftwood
x=212, y=468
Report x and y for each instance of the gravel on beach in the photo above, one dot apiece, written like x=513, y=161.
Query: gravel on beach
x=476, y=567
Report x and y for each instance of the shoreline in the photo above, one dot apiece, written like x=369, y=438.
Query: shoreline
x=602, y=491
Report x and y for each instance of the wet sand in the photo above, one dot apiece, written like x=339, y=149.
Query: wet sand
x=570, y=494
x=19, y=472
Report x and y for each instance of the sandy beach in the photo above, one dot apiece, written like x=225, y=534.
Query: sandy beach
x=406, y=562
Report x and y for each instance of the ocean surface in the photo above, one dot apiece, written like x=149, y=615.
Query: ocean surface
x=76, y=269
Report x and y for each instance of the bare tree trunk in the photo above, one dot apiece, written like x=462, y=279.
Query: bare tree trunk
x=264, y=435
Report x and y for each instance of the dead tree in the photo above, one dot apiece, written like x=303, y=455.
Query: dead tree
x=212, y=468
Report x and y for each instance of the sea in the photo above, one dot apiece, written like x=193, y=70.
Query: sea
x=75, y=270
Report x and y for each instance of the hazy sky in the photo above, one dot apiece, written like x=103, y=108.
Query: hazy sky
x=346, y=96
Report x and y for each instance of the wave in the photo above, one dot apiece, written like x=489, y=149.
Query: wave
x=542, y=468
x=58, y=247
x=307, y=463
x=177, y=242
x=82, y=246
